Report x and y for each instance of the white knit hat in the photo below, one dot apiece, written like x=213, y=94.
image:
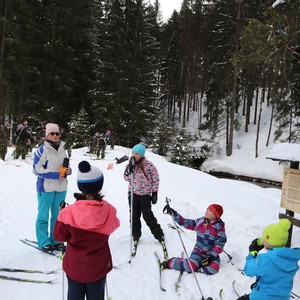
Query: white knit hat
x=89, y=178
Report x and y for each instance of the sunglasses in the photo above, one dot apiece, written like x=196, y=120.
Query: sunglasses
x=54, y=133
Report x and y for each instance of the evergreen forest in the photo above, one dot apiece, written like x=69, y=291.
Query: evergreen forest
x=114, y=64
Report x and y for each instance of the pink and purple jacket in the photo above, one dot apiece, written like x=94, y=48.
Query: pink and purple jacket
x=143, y=185
x=211, y=237
x=86, y=226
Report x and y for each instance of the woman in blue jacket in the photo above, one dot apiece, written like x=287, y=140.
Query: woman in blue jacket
x=275, y=269
x=51, y=186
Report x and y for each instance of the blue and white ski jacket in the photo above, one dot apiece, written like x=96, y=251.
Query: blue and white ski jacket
x=46, y=163
x=274, y=273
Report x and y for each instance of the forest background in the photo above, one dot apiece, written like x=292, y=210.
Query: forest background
x=114, y=64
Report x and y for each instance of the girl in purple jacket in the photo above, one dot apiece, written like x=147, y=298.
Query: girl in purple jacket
x=211, y=238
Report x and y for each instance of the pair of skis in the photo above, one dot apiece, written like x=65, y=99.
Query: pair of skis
x=177, y=282
x=28, y=271
x=34, y=244
x=135, y=246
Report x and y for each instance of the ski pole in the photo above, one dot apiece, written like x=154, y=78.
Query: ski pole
x=173, y=227
x=63, y=273
x=295, y=295
x=230, y=260
x=185, y=251
x=131, y=216
x=106, y=289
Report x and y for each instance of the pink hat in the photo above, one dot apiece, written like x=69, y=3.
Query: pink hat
x=51, y=127
x=216, y=209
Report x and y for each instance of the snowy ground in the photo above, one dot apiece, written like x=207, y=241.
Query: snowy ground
x=247, y=210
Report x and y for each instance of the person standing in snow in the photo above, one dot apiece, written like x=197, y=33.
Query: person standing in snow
x=143, y=180
x=275, y=269
x=51, y=186
x=86, y=226
x=23, y=140
x=211, y=238
x=101, y=145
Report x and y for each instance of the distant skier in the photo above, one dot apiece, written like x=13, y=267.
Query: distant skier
x=101, y=145
x=211, y=238
x=275, y=269
x=107, y=136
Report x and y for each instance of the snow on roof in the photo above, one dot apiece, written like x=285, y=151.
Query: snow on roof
x=285, y=152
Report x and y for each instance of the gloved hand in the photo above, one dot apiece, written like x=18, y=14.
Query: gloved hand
x=255, y=246
x=168, y=210
x=130, y=167
x=206, y=261
x=154, y=198
x=63, y=204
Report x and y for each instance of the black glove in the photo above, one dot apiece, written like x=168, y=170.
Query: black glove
x=63, y=204
x=255, y=246
x=130, y=167
x=168, y=210
x=154, y=198
x=206, y=261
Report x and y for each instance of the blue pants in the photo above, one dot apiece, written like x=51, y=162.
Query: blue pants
x=92, y=290
x=47, y=201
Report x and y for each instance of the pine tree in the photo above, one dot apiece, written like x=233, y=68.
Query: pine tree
x=82, y=128
x=179, y=152
x=127, y=73
x=163, y=136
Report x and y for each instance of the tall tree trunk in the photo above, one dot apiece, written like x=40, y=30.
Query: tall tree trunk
x=2, y=86
x=256, y=103
x=270, y=127
x=258, y=127
x=200, y=109
x=185, y=108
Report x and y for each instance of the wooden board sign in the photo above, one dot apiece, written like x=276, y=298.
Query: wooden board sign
x=290, y=193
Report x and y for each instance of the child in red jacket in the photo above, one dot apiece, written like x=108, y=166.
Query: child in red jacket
x=86, y=226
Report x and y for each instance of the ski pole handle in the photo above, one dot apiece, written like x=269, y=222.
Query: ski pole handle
x=167, y=209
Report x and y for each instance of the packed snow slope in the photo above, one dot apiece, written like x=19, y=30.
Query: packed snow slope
x=248, y=208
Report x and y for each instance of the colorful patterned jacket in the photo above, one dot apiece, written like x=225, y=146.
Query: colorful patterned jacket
x=211, y=237
x=144, y=181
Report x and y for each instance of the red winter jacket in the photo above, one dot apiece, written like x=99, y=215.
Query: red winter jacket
x=86, y=226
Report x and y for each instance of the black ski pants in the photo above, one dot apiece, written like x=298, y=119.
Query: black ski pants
x=142, y=205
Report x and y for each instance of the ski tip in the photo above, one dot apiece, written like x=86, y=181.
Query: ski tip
x=50, y=281
x=53, y=271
